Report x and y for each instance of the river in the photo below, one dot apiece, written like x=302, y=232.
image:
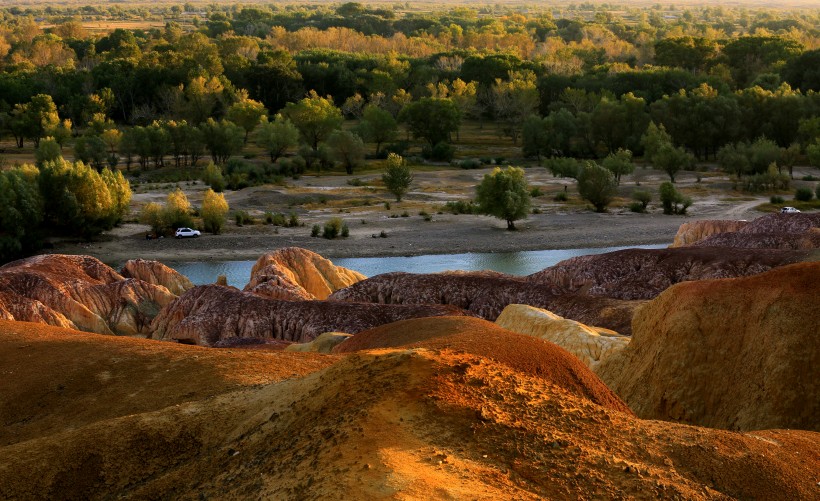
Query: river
x=514, y=263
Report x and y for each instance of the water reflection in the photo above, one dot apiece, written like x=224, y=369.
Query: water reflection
x=514, y=263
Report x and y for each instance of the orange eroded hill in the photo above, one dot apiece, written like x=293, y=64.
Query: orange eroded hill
x=54, y=379
x=522, y=353
x=407, y=424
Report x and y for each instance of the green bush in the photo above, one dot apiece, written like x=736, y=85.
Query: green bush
x=673, y=202
x=461, y=207
x=803, y=194
x=642, y=197
x=561, y=197
x=345, y=230
x=242, y=218
x=536, y=192
x=776, y=199
x=333, y=228
x=817, y=191
x=637, y=207
x=442, y=151
x=314, y=232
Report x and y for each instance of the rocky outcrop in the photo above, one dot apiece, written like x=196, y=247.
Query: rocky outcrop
x=645, y=273
x=690, y=233
x=475, y=336
x=774, y=231
x=324, y=343
x=209, y=314
x=295, y=273
x=739, y=354
x=486, y=295
x=79, y=292
x=154, y=272
x=590, y=344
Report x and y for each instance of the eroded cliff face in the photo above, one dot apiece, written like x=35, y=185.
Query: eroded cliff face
x=298, y=274
x=156, y=273
x=591, y=345
x=487, y=294
x=645, y=273
x=208, y=314
x=695, y=231
x=79, y=292
x=774, y=231
x=738, y=354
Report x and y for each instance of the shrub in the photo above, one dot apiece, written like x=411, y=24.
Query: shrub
x=242, y=218
x=561, y=197
x=673, y=202
x=442, y=151
x=469, y=163
x=817, y=191
x=641, y=197
x=461, y=207
x=536, y=192
x=293, y=221
x=803, y=194
x=596, y=185
x=637, y=207
x=333, y=228
x=776, y=199
x=405, y=214
x=314, y=232
x=345, y=230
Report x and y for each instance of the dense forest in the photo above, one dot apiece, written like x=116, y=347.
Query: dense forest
x=121, y=87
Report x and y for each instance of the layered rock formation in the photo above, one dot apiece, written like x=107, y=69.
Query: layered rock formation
x=523, y=354
x=590, y=344
x=774, y=231
x=298, y=274
x=645, y=273
x=739, y=354
x=487, y=294
x=695, y=231
x=403, y=423
x=209, y=314
x=78, y=292
x=154, y=272
x=324, y=343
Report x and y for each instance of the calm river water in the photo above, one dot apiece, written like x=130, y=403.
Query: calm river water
x=513, y=263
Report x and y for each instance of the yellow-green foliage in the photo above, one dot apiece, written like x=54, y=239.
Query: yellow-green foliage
x=214, y=209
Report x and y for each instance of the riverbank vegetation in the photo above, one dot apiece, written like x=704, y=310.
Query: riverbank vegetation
x=263, y=93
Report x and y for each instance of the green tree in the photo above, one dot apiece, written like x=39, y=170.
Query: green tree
x=377, y=126
x=48, y=150
x=563, y=167
x=513, y=100
x=813, y=152
x=151, y=214
x=619, y=163
x=276, y=137
x=223, y=139
x=397, y=176
x=247, y=114
x=91, y=150
x=315, y=117
x=21, y=212
x=505, y=195
x=177, y=210
x=597, y=186
x=347, y=148
x=432, y=119
x=214, y=209
x=213, y=177
x=672, y=160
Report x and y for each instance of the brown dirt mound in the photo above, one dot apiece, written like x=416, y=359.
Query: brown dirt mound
x=773, y=231
x=737, y=354
x=486, y=294
x=479, y=337
x=407, y=424
x=645, y=273
x=54, y=379
x=209, y=315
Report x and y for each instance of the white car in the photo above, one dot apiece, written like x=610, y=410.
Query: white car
x=789, y=210
x=186, y=232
